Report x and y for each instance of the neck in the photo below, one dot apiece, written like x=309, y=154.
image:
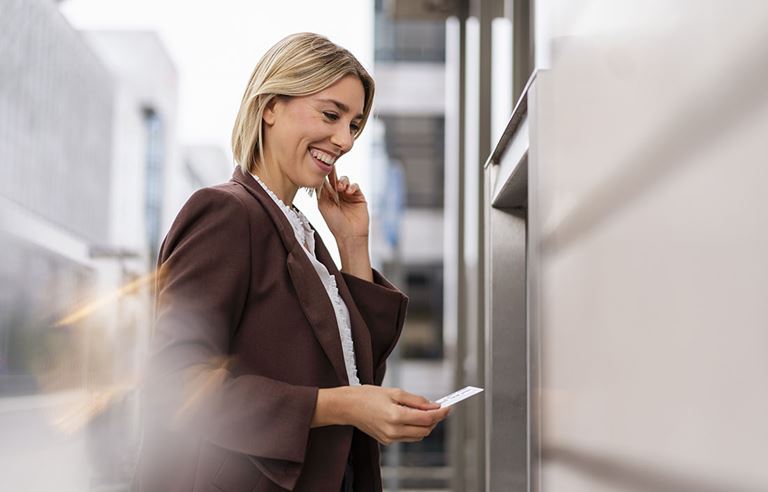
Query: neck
x=278, y=183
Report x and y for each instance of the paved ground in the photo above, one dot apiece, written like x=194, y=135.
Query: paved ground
x=45, y=446
x=34, y=455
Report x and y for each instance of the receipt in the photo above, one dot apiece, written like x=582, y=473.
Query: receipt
x=458, y=396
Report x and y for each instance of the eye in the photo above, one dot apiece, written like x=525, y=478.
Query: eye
x=331, y=115
x=354, y=129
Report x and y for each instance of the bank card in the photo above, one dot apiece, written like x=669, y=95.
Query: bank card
x=458, y=396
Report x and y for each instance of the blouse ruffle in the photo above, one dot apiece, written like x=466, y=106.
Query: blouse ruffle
x=306, y=237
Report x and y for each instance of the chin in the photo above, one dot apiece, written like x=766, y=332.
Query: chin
x=316, y=183
x=309, y=181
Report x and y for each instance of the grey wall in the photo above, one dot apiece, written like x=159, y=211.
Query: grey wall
x=55, y=119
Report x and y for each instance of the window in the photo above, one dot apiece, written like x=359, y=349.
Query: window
x=154, y=180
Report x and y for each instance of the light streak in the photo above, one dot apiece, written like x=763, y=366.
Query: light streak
x=86, y=310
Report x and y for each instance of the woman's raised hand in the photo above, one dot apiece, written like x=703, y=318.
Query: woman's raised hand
x=344, y=208
x=386, y=414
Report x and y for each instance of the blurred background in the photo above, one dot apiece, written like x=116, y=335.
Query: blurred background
x=571, y=193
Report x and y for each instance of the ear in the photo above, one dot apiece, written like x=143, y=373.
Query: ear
x=270, y=112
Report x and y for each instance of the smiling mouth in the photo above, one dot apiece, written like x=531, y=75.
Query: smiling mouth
x=323, y=157
x=323, y=160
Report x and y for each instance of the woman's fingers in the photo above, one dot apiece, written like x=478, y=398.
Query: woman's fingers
x=412, y=416
x=411, y=433
x=391, y=414
x=402, y=433
x=333, y=195
x=413, y=401
x=332, y=188
x=344, y=185
x=340, y=185
x=333, y=178
x=340, y=189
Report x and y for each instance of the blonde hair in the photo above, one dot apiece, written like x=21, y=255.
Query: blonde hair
x=299, y=65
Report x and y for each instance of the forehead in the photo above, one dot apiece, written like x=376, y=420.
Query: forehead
x=347, y=94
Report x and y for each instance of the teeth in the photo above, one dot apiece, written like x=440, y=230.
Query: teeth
x=328, y=159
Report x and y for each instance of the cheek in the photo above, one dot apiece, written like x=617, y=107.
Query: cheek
x=309, y=121
x=301, y=115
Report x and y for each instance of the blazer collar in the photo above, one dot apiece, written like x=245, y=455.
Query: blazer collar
x=284, y=228
x=309, y=288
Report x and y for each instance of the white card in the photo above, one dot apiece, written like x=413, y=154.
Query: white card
x=458, y=396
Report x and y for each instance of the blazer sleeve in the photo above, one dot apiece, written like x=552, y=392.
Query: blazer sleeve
x=203, y=281
x=383, y=308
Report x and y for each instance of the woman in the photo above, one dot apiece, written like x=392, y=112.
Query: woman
x=266, y=359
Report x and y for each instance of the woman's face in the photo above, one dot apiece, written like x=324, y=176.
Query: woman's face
x=305, y=136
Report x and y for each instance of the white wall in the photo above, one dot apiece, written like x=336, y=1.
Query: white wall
x=647, y=187
x=145, y=78
x=410, y=88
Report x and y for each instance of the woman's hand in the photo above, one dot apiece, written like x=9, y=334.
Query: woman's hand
x=344, y=209
x=386, y=414
x=389, y=414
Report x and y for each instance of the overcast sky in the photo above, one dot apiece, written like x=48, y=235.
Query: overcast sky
x=215, y=45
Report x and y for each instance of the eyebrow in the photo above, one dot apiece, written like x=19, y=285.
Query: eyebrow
x=342, y=107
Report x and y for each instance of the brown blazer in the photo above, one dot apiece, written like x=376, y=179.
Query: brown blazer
x=245, y=335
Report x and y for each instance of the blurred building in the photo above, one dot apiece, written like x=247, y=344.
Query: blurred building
x=410, y=107
x=408, y=222
x=91, y=174
x=56, y=112
x=146, y=157
x=56, y=142
x=203, y=165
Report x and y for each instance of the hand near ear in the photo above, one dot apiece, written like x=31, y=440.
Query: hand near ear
x=344, y=208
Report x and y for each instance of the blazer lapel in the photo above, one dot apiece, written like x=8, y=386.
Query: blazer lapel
x=309, y=288
x=360, y=334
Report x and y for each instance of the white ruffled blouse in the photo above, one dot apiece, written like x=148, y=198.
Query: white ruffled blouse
x=305, y=235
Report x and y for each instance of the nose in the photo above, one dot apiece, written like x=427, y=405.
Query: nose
x=343, y=139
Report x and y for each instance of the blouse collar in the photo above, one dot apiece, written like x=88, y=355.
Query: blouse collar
x=298, y=220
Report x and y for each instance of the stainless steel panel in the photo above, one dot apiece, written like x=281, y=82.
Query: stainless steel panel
x=506, y=354
x=507, y=370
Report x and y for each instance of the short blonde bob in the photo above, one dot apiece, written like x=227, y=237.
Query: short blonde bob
x=299, y=65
